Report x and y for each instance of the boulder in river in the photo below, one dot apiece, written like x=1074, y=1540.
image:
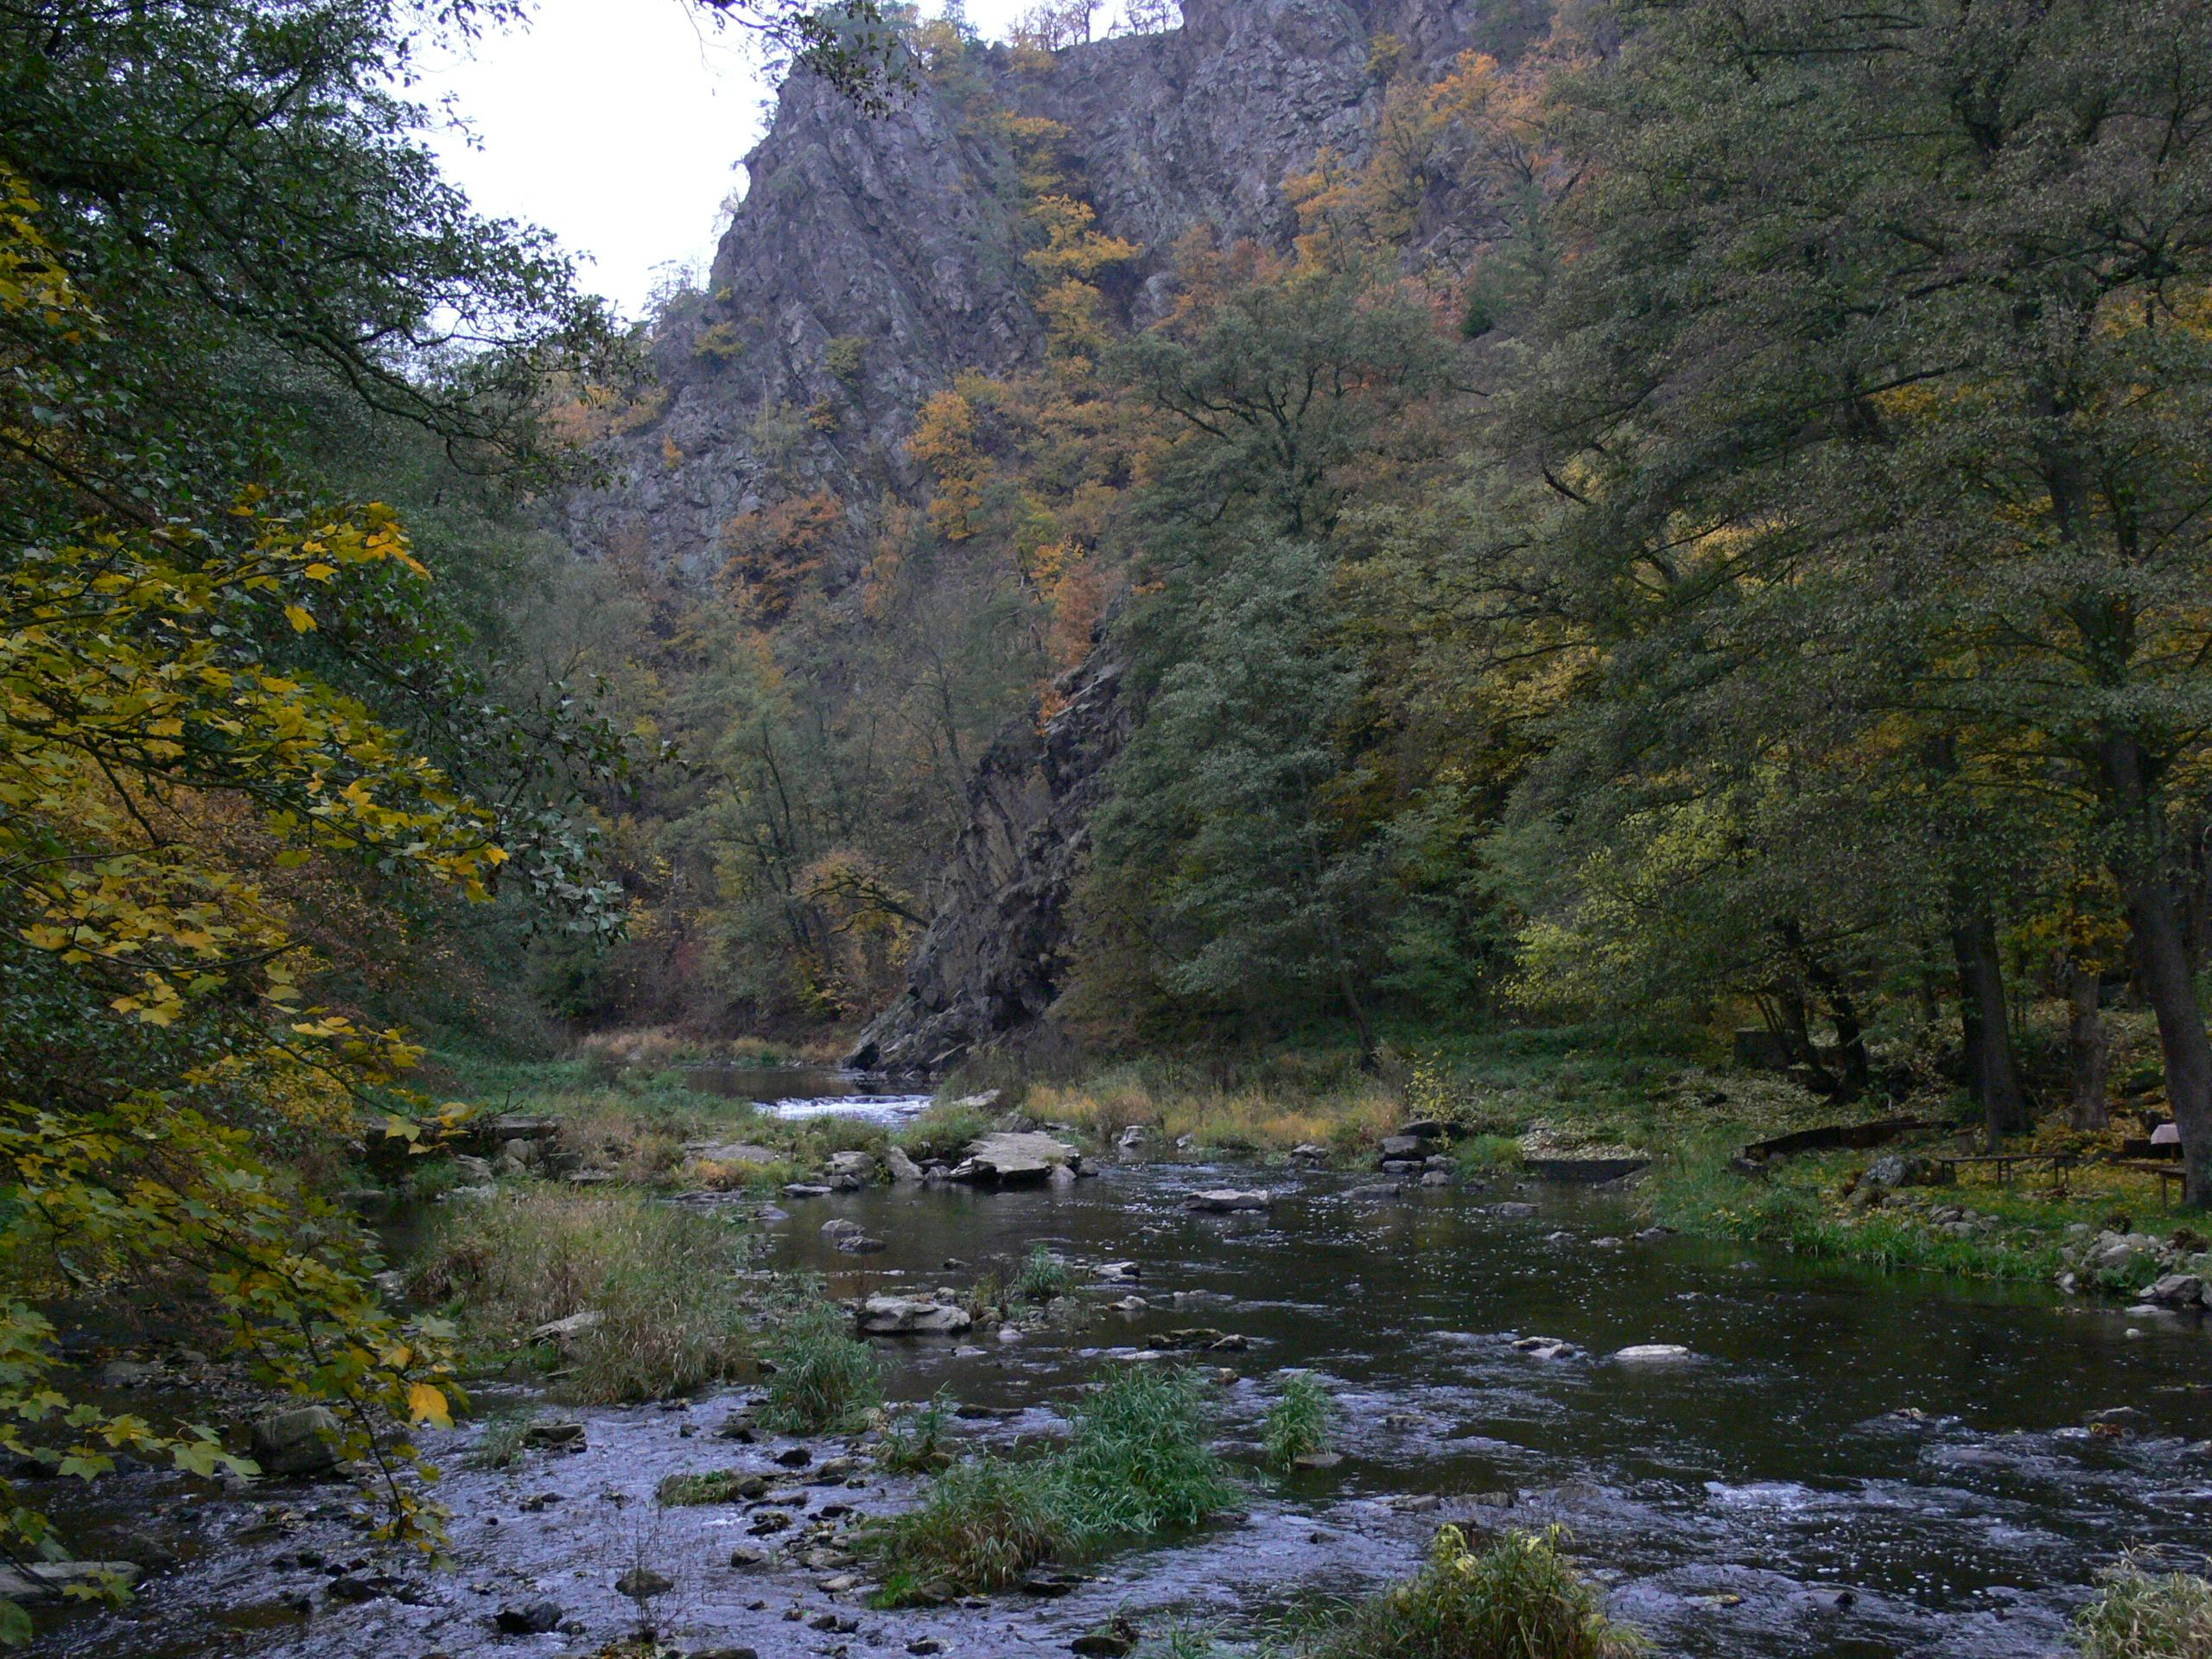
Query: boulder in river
x=1119, y=1273
x=1013, y=1159
x=1653, y=1353
x=1545, y=1348
x=857, y=1242
x=640, y=1583
x=1404, y=1146
x=300, y=1441
x=852, y=1166
x=1223, y=1201
x=528, y=1618
x=901, y=1168
x=910, y=1316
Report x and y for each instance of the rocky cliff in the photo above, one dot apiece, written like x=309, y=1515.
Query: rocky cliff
x=995, y=958
x=874, y=258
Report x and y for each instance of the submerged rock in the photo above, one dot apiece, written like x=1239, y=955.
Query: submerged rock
x=1225, y=1201
x=528, y=1618
x=907, y=1316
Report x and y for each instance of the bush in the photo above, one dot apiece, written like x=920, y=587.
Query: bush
x=1519, y=1598
x=1043, y=1276
x=664, y=1282
x=1299, y=1422
x=914, y=1440
x=825, y=1379
x=943, y=1133
x=1138, y=1462
x=500, y=1445
x=2140, y=1613
x=701, y=1490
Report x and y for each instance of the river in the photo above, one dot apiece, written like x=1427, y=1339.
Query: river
x=1849, y=1465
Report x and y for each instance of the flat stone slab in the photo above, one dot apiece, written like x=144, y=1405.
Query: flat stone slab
x=1010, y=1158
x=911, y=1316
x=1653, y=1353
x=524, y=1125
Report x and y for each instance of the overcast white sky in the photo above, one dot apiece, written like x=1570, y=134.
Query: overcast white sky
x=615, y=124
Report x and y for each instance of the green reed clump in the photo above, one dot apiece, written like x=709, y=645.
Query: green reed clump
x=1518, y=1598
x=1301, y=1422
x=821, y=1379
x=1138, y=1462
x=1043, y=1276
x=2142, y=1613
x=914, y=1440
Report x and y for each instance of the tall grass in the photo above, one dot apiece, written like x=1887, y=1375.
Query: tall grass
x=1299, y=1422
x=914, y=1440
x=1138, y=1462
x=823, y=1379
x=1043, y=1276
x=664, y=1283
x=2142, y=1613
x=1518, y=1599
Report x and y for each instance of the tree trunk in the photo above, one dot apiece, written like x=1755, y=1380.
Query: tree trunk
x=2155, y=911
x=2088, y=1055
x=1987, y=1023
x=1370, y=1049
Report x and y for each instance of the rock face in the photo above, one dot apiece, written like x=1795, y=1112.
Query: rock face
x=871, y=259
x=995, y=958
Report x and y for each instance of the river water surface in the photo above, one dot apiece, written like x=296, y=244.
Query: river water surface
x=1849, y=1465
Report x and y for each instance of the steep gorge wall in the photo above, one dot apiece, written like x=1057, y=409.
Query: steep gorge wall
x=904, y=235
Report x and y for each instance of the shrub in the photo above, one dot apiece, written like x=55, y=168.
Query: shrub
x=1043, y=1276
x=664, y=1282
x=943, y=1132
x=914, y=1440
x=1137, y=1463
x=1299, y=1422
x=699, y=1491
x=500, y=1445
x=2140, y=1613
x=825, y=1379
x=1519, y=1598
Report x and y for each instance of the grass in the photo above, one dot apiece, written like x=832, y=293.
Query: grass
x=665, y=1283
x=500, y=1445
x=2142, y=1613
x=1138, y=1462
x=1519, y=1598
x=825, y=1379
x=702, y=1491
x=942, y=1133
x=1043, y=1276
x=1301, y=1421
x=914, y=1441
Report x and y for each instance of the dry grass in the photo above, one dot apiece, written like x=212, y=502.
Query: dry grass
x=2143, y=1613
x=1258, y=1117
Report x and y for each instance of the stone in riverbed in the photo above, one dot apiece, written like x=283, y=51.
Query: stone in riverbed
x=1653, y=1353
x=1545, y=1348
x=1119, y=1273
x=909, y=1316
x=807, y=1190
x=300, y=1442
x=1514, y=1209
x=1404, y=1146
x=2176, y=1290
x=858, y=1244
x=902, y=1169
x=560, y=1437
x=641, y=1583
x=852, y=1166
x=528, y=1618
x=38, y=1581
x=1223, y=1201
x=1111, y=1640
x=1008, y=1159
x=563, y=1333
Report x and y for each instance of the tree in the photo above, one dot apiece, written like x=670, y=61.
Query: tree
x=1874, y=402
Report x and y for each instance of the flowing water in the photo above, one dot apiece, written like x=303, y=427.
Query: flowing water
x=1849, y=1465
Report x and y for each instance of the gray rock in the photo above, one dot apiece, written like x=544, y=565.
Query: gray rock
x=1404, y=1146
x=858, y=1244
x=642, y=1582
x=1119, y=1273
x=1545, y=1348
x=566, y=1333
x=734, y=1152
x=1653, y=1353
x=901, y=1168
x=528, y=1618
x=1437, y=1177
x=2176, y=1290
x=300, y=1442
x=1223, y=1201
x=852, y=1166
x=1013, y=1159
x=908, y=1316
x=48, y=1581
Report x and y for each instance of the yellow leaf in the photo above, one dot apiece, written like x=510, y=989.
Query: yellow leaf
x=427, y=1405
x=298, y=617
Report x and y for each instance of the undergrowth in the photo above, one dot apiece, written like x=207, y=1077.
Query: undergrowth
x=1519, y=1598
x=2142, y=1613
x=1138, y=1462
x=1299, y=1422
x=821, y=1378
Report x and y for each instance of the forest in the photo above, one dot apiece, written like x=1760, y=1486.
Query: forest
x=1666, y=603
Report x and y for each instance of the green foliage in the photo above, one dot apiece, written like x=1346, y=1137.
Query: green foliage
x=1137, y=1463
x=1517, y=1598
x=664, y=1283
x=715, y=1486
x=2142, y=1613
x=1301, y=1422
x=914, y=1439
x=825, y=1379
x=501, y=1443
x=1043, y=1276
